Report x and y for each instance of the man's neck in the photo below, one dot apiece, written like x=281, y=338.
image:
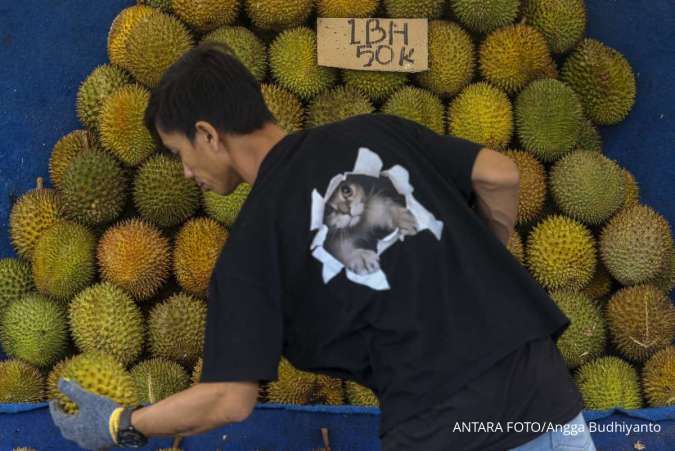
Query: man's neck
x=252, y=149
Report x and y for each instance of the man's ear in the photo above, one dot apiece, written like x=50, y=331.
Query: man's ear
x=207, y=133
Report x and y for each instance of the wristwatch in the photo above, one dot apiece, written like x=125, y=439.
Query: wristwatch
x=127, y=435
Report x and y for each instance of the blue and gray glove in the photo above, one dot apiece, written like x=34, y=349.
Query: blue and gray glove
x=91, y=426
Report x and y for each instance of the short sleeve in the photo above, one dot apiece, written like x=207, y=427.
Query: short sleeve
x=243, y=338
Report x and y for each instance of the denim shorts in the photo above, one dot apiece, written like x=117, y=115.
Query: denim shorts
x=573, y=436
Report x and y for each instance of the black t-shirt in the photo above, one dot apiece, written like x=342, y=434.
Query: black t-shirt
x=357, y=255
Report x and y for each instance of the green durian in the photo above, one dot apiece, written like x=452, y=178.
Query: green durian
x=359, y=395
x=20, y=382
x=245, y=45
x=225, y=209
x=601, y=283
x=16, y=281
x=157, y=379
x=658, y=378
x=337, y=104
x=609, y=382
x=162, y=5
x=632, y=189
x=431, y=9
x=419, y=105
x=278, y=14
x=66, y=150
x=206, y=15
x=295, y=386
x=103, y=81
x=286, y=108
x=346, y=8
x=120, y=29
x=589, y=137
x=375, y=84
x=532, y=185
x=563, y=23
x=485, y=16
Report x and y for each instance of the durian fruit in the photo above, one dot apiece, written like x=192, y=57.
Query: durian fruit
x=16, y=281
x=658, y=378
x=561, y=253
x=548, y=115
x=431, y=9
x=153, y=45
x=122, y=129
x=66, y=149
x=419, y=105
x=293, y=386
x=375, y=84
x=563, y=23
x=601, y=283
x=103, y=81
x=162, y=5
x=337, y=104
x=135, y=256
x=198, y=245
x=294, y=64
x=585, y=338
x=20, y=382
x=101, y=374
x=513, y=56
x=286, y=108
x=485, y=16
x=346, y=8
x=358, y=395
x=32, y=214
x=94, y=188
x=588, y=186
x=64, y=261
x=225, y=209
x=162, y=194
x=245, y=45
x=327, y=390
x=120, y=29
x=665, y=279
x=632, y=190
x=635, y=244
x=451, y=59
x=206, y=15
x=641, y=321
x=176, y=328
x=532, y=185
x=278, y=14
x=516, y=247
x=609, y=382
x=157, y=379
x=589, y=137
x=104, y=318
x=35, y=330
x=197, y=371
x=603, y=79
x=482, y=113
x=54, y=376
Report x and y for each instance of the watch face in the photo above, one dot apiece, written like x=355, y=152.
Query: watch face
x=131, y=439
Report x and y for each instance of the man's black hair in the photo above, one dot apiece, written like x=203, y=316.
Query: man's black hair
x=208, y=83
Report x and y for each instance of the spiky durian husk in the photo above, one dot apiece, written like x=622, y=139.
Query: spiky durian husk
x=120, y=29
x=20, y=382
x=35, y=330
x=585, y=338
x=135, y=256
x=293, y=62
x=104, y=318
x=589, y=137
x=419, y=105
x=658, y=378
x=162, y=5
x=162, y=194
x=603, y=79
x=548, y=116
x=157, y=379
x=245, y=45
x=632, y=190
x=563, y=23
x=122, y=129
x=278, y=14
x=225, y=209
x=532, y=185
x=601, y=283
x=483, y=114
x=346, y=8
x=16, y=281
x=451, y=59
x=153, y=45
x=588, y=186
x=641, y=321
x=206, y=15
x=98, y=373
x=337, y=104
x=293, y=386
x=513, y=56
x=376, y=85
x=64, y=261
x=286, y=108
x=359, y=395
x=32, y=214
x=609, y=382
x=66, y=150
x=54, y=376
x=176, y=328
x=103, y=81
x=196, y=375
x=516, y=247
x=431, y=9
x=635, y=244
x=198, y=245
x=561, y=253
x=485, y=16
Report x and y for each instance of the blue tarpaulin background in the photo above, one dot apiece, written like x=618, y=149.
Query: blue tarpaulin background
x=48, y=48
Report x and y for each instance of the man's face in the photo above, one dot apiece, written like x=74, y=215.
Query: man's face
x=206, y=160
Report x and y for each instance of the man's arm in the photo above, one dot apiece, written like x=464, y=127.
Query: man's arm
x=495, y=180
x=198, y=409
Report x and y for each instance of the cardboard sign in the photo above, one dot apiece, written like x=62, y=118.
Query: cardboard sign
x=392, y=45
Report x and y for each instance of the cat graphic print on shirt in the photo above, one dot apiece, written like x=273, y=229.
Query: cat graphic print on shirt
x=361, y=214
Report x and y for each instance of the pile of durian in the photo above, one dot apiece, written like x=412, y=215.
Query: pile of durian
x=114, y=258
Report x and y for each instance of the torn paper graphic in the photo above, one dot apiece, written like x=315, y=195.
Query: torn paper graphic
x=361, y=215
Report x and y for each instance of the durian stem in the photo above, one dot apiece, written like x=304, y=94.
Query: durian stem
x=39, y=183
x=326, y=440
x=177, y=441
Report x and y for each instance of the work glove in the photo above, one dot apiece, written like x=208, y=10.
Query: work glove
x=90, y=427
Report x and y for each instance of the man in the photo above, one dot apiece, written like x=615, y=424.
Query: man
x=371, y=249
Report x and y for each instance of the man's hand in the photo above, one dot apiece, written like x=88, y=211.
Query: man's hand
x=90, y=427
